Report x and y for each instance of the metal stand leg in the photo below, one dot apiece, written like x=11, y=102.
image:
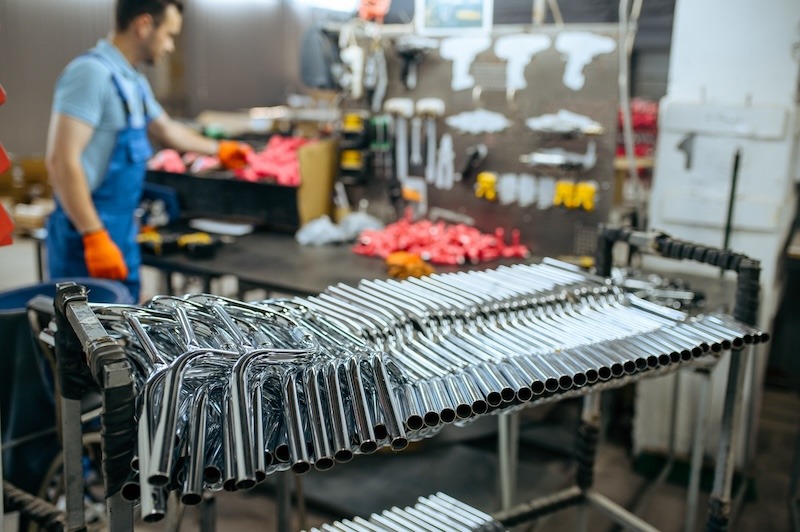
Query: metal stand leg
x=208, y=513
x=300, y=499
x=698, y=446
x=120, y=513
x=73, y=462
x=794, y=489
x=284, y=506
x=586, y=451
x=508, y=436
x=719, y=510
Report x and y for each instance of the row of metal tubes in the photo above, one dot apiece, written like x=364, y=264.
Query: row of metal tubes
x=481, y=385
x=190, y=339
x=370, y=314
x=437, y=513
x=450, y=354
x=363, y=418
x=393, y=287
x=461, y=395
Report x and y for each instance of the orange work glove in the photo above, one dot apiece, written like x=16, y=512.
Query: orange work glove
x=103, y=257
x=233, y=154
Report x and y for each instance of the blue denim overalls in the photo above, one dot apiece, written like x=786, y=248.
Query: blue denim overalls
x=115, y=199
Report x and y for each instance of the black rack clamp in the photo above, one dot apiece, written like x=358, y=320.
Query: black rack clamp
x=87, y=356
x=746, y=303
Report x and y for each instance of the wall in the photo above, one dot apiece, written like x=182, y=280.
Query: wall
x=232, y=54
x=37, y=39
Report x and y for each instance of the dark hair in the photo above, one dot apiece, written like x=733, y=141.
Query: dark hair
x=127, y=10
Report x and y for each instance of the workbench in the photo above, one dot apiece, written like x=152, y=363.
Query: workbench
x=275, y=262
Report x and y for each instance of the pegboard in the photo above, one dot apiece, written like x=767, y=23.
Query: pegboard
x=554, y=231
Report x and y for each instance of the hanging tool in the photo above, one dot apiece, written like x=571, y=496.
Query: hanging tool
x=430, y=109
x=518, y=51
x=476, y=154
x=401, y=110
x=352, y=56
x=562, y=158
x=412, y=50
x=463, y=51
x=581, y=47
x=376, y=79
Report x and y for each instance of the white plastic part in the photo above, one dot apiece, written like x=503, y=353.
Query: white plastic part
x=353, y=57
x=564, y=122
x=430, y=138
x=478, y=121
x=445, y=164
x=528, y=190
x=462, y=51
x=430, y=106
x=402, y=109
x=401, y=148
x=518, y=50
x=508, y=189
x=547, y=189
x=399, y=106
x=416, y=141
x=581, y=48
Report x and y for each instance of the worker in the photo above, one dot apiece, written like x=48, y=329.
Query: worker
x=103, y=115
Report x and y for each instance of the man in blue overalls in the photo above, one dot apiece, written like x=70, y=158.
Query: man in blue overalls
x=98, y=145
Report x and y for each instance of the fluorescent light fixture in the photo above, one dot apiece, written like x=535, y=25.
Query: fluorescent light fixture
x=345, y=6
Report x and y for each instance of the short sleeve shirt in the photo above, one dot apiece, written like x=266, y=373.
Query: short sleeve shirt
x=85, y=91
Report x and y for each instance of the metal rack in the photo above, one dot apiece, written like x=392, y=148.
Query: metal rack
x=393, y=398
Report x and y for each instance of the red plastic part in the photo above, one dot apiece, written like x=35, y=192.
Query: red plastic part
x=6, y=227
x=2, y=95
x=5, y=162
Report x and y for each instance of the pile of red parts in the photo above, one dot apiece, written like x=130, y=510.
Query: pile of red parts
x=440, y=243
x=169, y=160
x=277, y=163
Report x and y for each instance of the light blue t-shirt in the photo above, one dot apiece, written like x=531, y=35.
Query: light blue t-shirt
x=86, y=92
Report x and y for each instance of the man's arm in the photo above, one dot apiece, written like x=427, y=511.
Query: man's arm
x=172, y=134
x=66, y=140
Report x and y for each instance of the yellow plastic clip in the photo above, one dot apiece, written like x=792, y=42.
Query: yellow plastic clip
x=585, y=193
x=564, y=194
x=486, y=186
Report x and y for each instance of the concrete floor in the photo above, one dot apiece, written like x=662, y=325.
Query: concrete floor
x=615, y=475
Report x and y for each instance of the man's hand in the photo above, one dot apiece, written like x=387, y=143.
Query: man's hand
x=233, y=154
x=103, y=257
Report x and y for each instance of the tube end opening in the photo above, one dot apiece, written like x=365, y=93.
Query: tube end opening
x=323, y=464
x=153, y=517
x=431, y=419
x=212, y=474
x=368, y=446
x=381, y=431
x=191, y=499
x=414, y=422
x=131, y=491
x=448, y=415
x=463, y=411
x=158, y=479
x=524, y=394
x=301, y=467
x=343, y=456
x=399, y=443
x=480, y=407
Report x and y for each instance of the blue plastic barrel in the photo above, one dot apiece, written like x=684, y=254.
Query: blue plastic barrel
x=100, y=291
x=26, y=391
